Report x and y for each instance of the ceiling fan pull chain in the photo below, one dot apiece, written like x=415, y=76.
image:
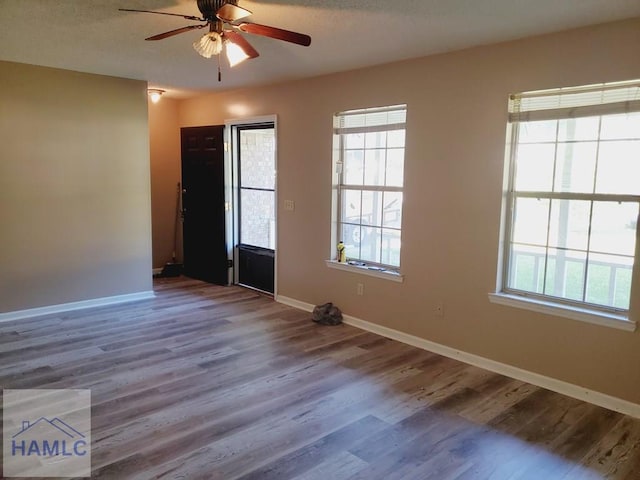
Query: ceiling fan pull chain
x=219, y=72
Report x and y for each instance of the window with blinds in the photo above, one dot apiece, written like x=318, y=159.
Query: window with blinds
x=369, y=159
x=574, y=195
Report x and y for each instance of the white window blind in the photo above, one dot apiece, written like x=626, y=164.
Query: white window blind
x=370, y=120
x=588, y=101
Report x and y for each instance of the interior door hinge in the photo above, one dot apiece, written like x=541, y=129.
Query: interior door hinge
x=230, y=263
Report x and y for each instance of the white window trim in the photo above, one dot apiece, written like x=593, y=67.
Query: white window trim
x=374, y=269
x=508, y=297
x=366, y=270
x=566, y=311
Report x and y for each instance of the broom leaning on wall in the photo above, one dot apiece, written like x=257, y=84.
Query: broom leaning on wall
x=172, y=268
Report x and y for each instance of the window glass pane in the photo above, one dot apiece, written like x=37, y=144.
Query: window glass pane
x=526, y=268
x=578, y=129
x=534, y=167
x=392, y=210
x=351, y=206
x=613, y=228
x=258, y=161
x=619, y=167
x=621, y=126
x=374, y=161
x=531, y=219
x=372, y=208
x=575, y=167
x=543, y=131
x=353, y=167
x=395, y=138
x=395, y=167
x=574, y=275
x=391, y=247
x=602, y=288
x=257, y=220
x=622, y=292
x=569, y=225
x=370, y=244
x=376, y=139
x=351, y=239
x=565, y=274
x=354, y=140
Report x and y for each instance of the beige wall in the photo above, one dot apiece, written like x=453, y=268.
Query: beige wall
x=453, y=191
x=164, y=135
x=74, y=187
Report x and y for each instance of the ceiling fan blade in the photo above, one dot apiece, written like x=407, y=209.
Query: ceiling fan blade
x=278, y=33
x=231, y=13
x=186, y=17
x=241, y=42
x=177, y=31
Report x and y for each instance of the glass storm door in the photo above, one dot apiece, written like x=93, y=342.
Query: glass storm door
x=256, y=155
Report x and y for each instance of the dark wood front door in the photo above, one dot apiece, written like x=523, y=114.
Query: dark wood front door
x=205, y=253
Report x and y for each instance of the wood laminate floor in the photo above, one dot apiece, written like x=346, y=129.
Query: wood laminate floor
x=208, y=382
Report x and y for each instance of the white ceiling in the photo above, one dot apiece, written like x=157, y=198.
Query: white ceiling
x=93, y=36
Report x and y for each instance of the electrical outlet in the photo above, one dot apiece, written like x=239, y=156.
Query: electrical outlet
x=289, y=205
x=360, y=289
x=439, y=310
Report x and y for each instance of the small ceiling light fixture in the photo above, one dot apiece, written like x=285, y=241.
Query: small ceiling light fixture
x=155, y=94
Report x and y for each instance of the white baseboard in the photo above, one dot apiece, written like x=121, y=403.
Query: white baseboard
x=67, y=307
x=559, y=386
x=307, y=307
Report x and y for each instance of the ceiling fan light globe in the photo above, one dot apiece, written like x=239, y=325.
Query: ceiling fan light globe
x=208, y=45
x=235, y=54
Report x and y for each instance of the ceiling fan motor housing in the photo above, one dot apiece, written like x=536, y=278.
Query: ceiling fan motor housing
x=208, y=8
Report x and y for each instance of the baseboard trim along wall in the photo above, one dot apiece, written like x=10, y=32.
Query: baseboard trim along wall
x=559, y=386
x=67, y=307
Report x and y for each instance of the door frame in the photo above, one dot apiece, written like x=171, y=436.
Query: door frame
x=232, y=191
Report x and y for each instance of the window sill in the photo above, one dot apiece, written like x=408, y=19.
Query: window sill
x=574, y=313
x=384, y=274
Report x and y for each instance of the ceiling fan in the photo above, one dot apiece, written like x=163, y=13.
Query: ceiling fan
x=224, y=19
